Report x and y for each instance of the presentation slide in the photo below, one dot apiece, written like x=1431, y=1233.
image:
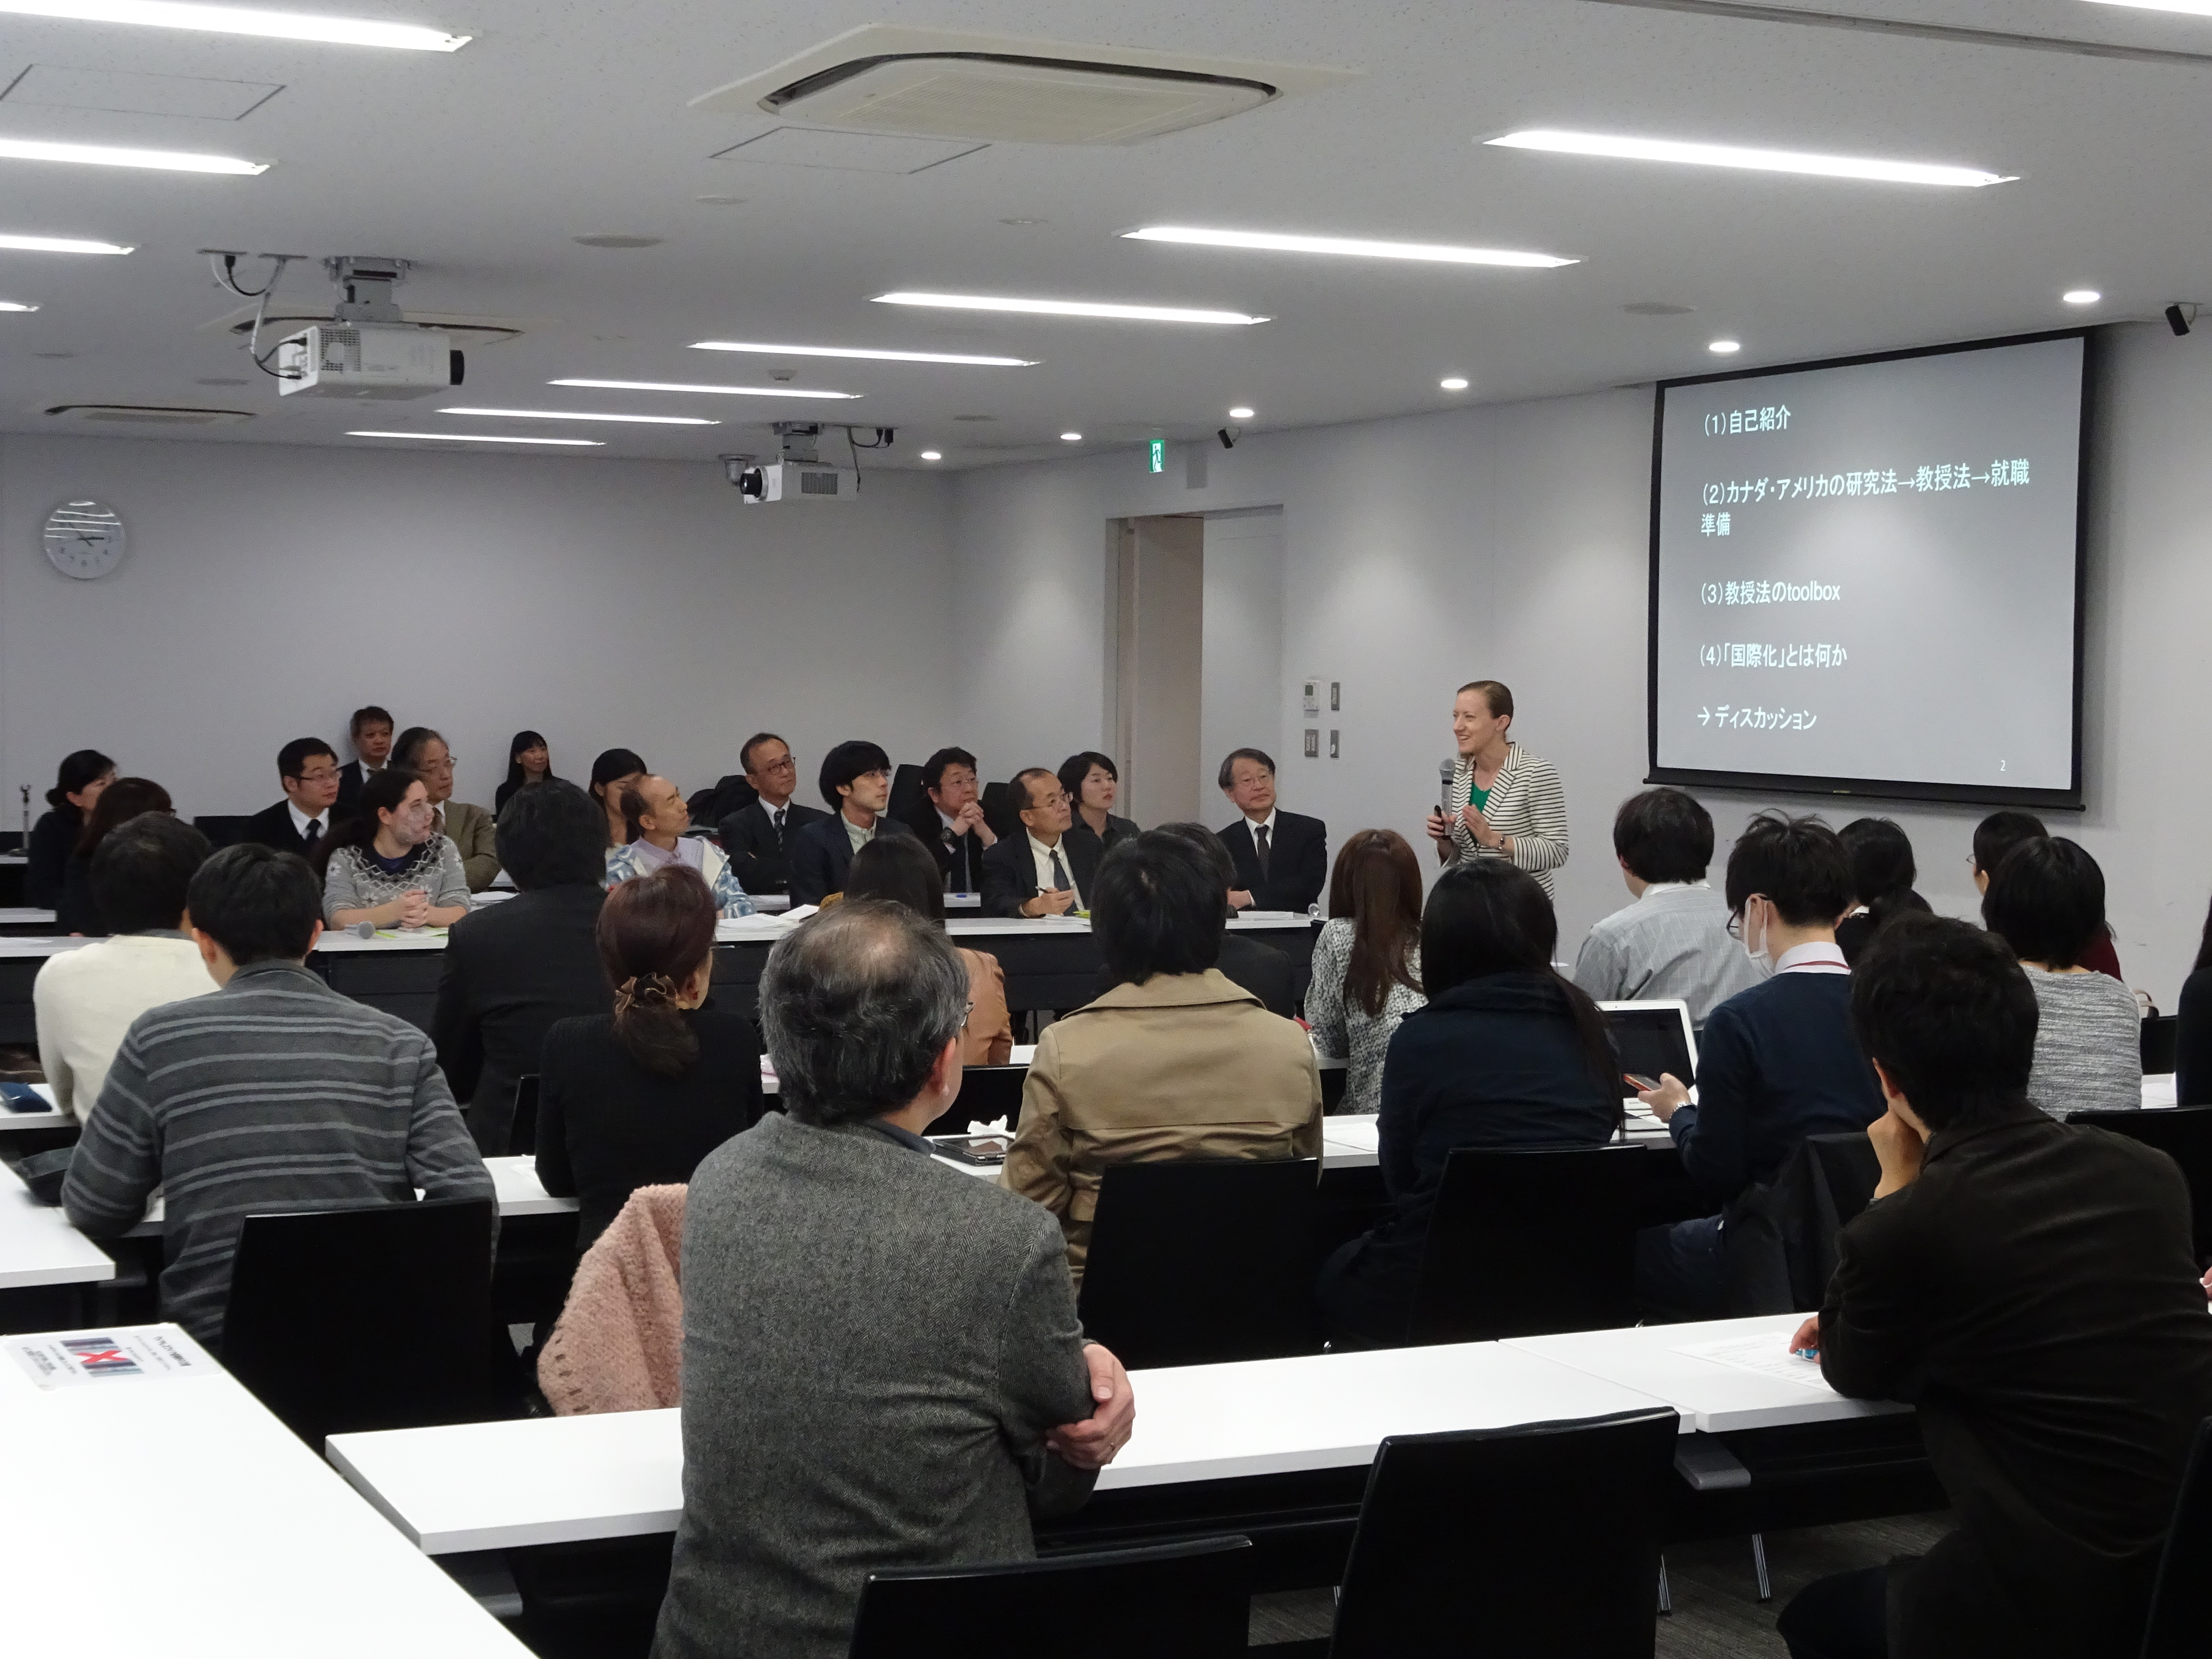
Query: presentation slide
x=1864, y=575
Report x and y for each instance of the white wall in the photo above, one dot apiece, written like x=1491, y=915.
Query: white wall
x=269, y=591
x=1511, y=542
x=1240, y=700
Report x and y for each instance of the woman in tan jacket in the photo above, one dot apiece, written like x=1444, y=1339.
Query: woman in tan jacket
x=901, y=868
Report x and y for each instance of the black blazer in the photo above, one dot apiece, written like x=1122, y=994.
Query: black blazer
x=350, y=779
x=53, y=837
x=2034, y=1293
x=1298, y=861
x=76, y=912
x=749, y=837
x=1117, y=831
x=961, y=864
x=272, y=827
x=822, y=852
x=509, y=972
x=1009, y=873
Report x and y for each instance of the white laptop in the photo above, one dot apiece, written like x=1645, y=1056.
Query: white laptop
x=1653, y=1038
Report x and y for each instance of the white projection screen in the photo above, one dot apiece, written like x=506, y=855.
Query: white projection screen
x=1866, y=575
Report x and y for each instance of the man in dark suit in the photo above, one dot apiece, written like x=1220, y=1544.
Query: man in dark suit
x=2030, y=1287
x=856, y=779
x=1281, y=858
x=513, y=970
x=371, y=730
x=1043, y=872
x=949, y=818
x=757, y=838
x=308, y=769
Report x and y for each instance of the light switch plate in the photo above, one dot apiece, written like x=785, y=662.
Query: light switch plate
x=1336, y=696
x=1333, y=753
x=1313, y=744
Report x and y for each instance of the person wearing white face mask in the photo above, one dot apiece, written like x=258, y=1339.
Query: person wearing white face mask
x=1777, y=1062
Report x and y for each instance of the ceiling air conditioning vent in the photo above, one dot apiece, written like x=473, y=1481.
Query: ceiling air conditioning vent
x=147, y=415
x=943, y=84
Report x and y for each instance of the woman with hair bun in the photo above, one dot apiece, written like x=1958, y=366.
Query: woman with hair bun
x=84, y=774
x=636, y=1097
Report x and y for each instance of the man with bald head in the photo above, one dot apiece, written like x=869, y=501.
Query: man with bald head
x=655, y=809
x=1041, y=871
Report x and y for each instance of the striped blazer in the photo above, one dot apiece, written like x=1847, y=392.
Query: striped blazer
x=1526, y=802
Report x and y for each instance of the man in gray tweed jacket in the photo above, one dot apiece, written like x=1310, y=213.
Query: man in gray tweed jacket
x=881, y=1363
x=273, y=1095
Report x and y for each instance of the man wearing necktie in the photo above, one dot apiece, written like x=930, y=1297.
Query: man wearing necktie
x=308, y=769
x=1039, y=872
x=950, y=818
x=1281, y=858
x=757, y=837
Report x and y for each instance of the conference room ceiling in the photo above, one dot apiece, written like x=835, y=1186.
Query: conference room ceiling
x=561, y=120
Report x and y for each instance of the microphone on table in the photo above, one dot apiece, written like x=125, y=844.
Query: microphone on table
x=361, y=930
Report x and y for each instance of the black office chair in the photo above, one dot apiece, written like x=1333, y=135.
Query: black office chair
x=1526, y=1244
x=2183, y=1134
x=1190, y=1600
x=1534, y=1541
x=988, y=1093
x=2181, y=1601
x=522, y=1133
x=222, y=830
x=2158, y=1036
x=1780, y=1238
x=373, y=1316
x=1194, y=1262
x=906, y=792
x=999, y=809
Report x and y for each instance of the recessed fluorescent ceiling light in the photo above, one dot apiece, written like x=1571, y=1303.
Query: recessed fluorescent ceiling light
x=721, y=391
x=931, y=455
x=1725, y=348
x=2080, y=296
x=480, y=438
x=568, y=415
x=107, y=155
x=1353, y=247
x=57, y=245
x=1756, y=161
x=10, y=305
x=234, y=19
x=1071, y=437
x=1453, y=383
x=1068, y=308
x=857, y=352
x=1240, y=413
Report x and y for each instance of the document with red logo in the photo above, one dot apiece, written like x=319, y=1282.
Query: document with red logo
x=137, y=1353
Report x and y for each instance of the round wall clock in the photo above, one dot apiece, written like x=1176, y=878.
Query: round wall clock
x=84, y=539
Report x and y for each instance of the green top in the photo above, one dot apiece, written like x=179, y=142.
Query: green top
x=1478, y=798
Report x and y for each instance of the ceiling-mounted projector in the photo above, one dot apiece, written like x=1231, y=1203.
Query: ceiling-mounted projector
x=367, y=359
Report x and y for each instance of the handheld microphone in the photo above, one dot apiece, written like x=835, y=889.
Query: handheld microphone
x=361, y=930
x=1444, y=770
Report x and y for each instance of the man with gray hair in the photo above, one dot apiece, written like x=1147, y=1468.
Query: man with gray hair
x=881, y=1363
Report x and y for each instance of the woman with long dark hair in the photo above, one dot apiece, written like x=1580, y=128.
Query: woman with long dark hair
x=1883, y=874
x=636, y=1097
x=123, y=798
x=900, y=868
x=614, y=774
x=83, y=775
x=387, y=865
x=528, y=762
x=1506, y=1053
x=1367, y=960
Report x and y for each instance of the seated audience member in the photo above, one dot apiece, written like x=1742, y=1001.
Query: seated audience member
x=654, y=814
x=1882, y=873
x=616, y=770
x=68, y=803
x=275, y=1094
x=1041, y=871
x=1093, y=784
x=387, y=865
x=1281, y=858
x=2192, y=1071
x=949, y=818
x=1506, y=1053
x=308, y=769
x=425, y=753
x=1367, y=960
x=1996, y=836
x=121, y=801
x=2031, y=1287
x=899, y=869
x=370, y=730
x=757, y=837
x=1672, y=943
x=1777, y=1062
x=636, y=1097
x=85, y=999
x=512, y=969
x=1173, y=1062
x=962, y=1399
x=856, y=782
x=529, y=763
x=2046, y=900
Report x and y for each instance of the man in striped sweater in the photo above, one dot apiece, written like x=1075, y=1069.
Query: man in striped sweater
x=274, y=1095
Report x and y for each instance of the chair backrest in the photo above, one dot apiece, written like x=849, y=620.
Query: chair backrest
x=522, y=1133
x=2183, y=1134
x=1194, y=1262
x=988, y=1093
x=222, y=830
x=999, y=809
x=1190, y=1600
x=373, y=1316
x=906, y=792
x=1780, y=1238
x=2159, y=1037
x=1535, y=1541
x=1525, y=1243
x=2180, y=1622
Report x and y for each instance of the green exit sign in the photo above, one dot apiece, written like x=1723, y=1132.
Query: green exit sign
x=1159, y=454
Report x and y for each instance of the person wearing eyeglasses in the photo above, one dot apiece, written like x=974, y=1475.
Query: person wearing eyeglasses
x=472, y=830
x=1043, y=872
x=307, y=768
x=757, y=837
x=856, y=781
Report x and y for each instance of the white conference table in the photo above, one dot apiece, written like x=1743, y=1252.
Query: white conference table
x=37, y=1246
x=171, y=1514
x=52, y=1118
